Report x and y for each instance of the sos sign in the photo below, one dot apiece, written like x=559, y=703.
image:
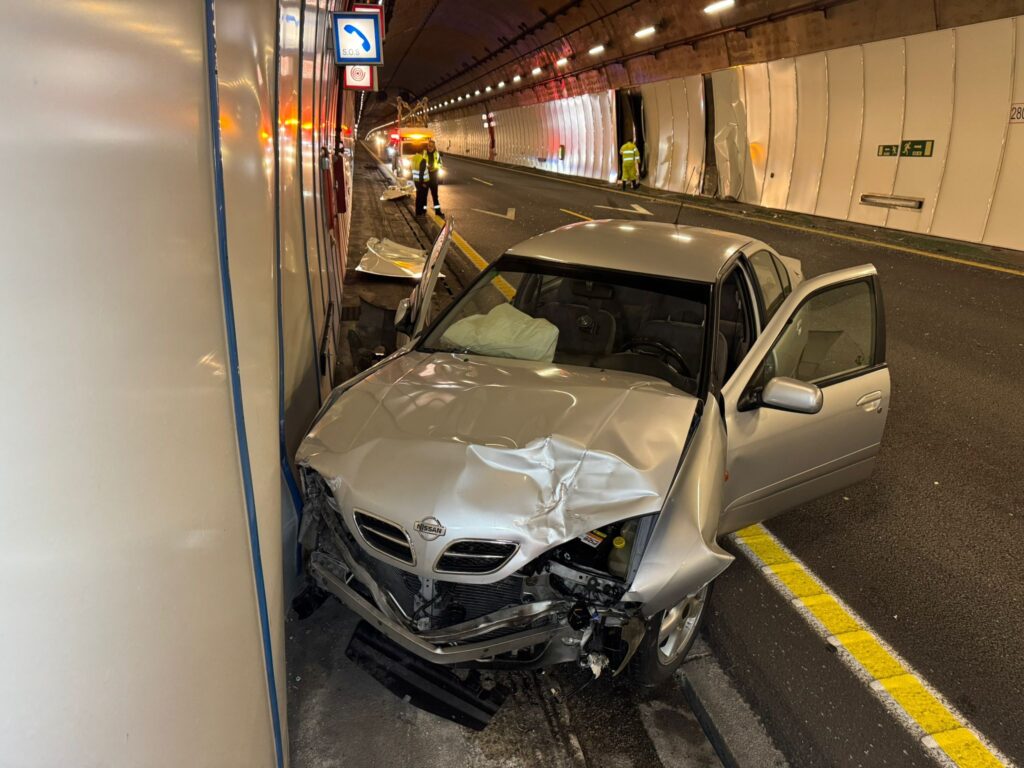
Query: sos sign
x=357, y=39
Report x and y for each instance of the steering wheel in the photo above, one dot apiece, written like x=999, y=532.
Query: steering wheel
x=663, y=351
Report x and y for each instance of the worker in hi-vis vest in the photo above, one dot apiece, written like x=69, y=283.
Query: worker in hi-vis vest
x=630, y=164
x=425, y=169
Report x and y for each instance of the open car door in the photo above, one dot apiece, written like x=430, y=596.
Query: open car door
x=414, y=313
x=806, y=408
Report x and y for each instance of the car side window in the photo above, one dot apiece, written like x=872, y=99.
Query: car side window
x=773, y=291
x=787, y=287
x=831, y=335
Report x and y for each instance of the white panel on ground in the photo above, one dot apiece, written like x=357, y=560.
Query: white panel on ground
x=811, y=129
x=929, y=115
x=884, y=92
x=782, y=142
x=696, y=143
x=1004, y=221
x=984, y=68
x=756, y=90
x=845, y=76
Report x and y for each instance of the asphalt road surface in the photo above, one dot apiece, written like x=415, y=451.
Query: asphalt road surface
x=927, y=551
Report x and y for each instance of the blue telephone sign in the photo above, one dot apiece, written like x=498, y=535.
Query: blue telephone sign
x=357, y=39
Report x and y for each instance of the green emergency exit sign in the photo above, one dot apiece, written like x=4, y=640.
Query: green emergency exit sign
x=888, y=150
x=917, y=147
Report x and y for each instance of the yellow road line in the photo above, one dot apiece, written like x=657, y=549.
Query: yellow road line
x=921, y=709
x=772, y=222
x=577, y=215
x=478, y=261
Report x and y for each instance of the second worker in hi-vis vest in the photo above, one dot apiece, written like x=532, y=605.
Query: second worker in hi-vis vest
x=425, y=169
x=630, y=164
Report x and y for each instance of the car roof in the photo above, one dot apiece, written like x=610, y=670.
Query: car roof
x=646, y=247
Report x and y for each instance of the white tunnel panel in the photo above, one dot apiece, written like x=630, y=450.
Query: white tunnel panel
x=1004, y=220
x=929, y=115
x=884, y=93
x=984, y=69
x=845, y=124
x=811, y=131
x=782, y=134
x=756, y=92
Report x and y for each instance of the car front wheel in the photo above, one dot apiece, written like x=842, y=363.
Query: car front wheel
x=670, y=634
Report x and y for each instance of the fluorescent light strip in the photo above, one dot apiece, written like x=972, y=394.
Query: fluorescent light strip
x=645, y=32
x=719, y=6
x=597, y=50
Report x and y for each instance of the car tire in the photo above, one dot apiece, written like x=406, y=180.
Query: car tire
x=663, y=648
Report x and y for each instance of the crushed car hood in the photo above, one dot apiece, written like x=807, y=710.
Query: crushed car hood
x=495, y=449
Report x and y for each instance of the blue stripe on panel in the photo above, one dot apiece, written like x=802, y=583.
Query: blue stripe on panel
x=236, y=382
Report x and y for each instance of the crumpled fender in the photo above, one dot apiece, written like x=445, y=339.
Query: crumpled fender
x=683, y=554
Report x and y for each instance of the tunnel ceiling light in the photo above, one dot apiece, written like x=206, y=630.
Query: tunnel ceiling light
x=719, y=5
x=501, y=83
x=597, y=50
x=536, y=71
x=517, y=78
x=562, y=62
x=468, y=96
x=460, y=98
x=476, y=92
x=645, y=32
x=488, y=89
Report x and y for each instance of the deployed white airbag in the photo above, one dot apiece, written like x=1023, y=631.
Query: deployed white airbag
x=504, y=332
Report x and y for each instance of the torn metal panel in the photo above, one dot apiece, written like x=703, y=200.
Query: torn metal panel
x=499, y=450
x=397, y=191
x=390, y=259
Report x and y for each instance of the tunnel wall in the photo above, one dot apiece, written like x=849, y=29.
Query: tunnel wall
x=533, y=135
x=161, y=350
x=802, y=133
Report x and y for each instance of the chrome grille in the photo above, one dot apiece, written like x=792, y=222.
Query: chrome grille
x=385, y=537
x=475, y=556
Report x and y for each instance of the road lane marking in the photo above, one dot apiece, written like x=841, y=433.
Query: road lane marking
x=488, y=183
x=772, y=222
x=633, y=208
x=918, y=707
x=509, y=215
x=577, y=215
x=478, y=261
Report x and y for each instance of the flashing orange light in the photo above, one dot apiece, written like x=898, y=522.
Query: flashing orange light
x=307, y=126
x=415, y=136
x=265, y=135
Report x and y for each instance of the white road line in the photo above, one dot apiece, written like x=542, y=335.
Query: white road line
x=509, y=214
x=488, y=183
x=634, y=208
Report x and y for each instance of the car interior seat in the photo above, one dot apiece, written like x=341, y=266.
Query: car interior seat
x=584, y=314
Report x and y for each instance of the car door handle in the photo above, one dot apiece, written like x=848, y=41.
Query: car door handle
x=871, y=401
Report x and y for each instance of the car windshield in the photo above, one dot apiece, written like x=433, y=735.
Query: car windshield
x=527, y=309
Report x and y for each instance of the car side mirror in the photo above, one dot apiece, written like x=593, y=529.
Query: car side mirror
x=792, y=395
x=402, y=311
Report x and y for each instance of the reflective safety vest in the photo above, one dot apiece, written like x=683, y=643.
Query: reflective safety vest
x=421, y=172
x=630, y=161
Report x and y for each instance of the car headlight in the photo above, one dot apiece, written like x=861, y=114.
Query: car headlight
x=391, y=151
x=406, y=162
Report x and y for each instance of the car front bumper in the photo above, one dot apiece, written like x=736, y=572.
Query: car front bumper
x=539, y=623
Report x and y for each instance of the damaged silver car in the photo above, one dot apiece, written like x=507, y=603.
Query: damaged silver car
x=543, y=473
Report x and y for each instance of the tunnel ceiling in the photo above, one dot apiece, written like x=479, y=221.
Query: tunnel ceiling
x=443, y=48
